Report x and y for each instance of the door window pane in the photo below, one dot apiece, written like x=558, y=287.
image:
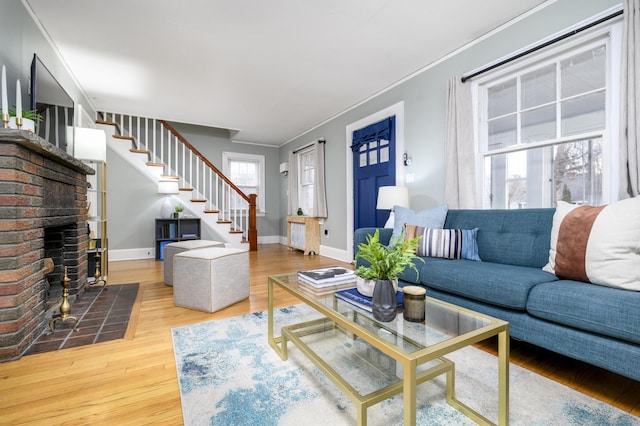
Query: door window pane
x=373, y=157
x=384, y=154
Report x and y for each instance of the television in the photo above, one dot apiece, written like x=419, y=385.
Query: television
x=53, y=103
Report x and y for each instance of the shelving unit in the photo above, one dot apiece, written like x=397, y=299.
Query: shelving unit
x=98, y=249
x=172, y=230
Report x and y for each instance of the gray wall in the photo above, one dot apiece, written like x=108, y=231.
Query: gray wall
x=133, y=205
x=424, y=113
x=211, y=142
x=20, y=38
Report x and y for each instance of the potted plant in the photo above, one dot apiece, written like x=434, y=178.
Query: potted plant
x=385, y=264
x=29, y=119
x=178, y=210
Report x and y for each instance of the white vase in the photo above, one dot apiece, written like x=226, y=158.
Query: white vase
x=365, y=287
x=27, y=124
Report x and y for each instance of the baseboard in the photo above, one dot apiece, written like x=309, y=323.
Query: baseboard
x=272, y=239
x=150, y=253
x=132, y=254
x=332, y=252
x=335, y=253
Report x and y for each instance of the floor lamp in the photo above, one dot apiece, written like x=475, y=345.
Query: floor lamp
x=391, y=196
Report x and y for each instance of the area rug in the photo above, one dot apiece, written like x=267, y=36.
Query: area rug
x=229, y=375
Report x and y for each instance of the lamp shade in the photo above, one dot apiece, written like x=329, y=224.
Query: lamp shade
x=168, y=187
x=90, y=144
x=389, y=196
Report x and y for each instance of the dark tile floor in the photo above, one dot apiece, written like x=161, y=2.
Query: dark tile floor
x=103, y=314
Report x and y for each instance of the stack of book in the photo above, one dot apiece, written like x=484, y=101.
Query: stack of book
x=326, y=280
x=356, y=299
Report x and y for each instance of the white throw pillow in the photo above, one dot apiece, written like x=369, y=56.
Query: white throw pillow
x=429, y=218
x=600, y=245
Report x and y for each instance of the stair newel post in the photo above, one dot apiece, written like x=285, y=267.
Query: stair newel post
x=253, y=231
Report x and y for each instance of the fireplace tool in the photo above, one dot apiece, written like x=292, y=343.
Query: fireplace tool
x=65, y=306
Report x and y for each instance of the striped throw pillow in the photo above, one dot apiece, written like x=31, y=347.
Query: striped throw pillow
x=445, y=243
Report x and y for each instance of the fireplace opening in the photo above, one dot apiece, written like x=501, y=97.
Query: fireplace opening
x=61, y=246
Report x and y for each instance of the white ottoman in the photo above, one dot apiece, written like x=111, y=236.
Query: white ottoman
x=172, y=249
x=210, y=279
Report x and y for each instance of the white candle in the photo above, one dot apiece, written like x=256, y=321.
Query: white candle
x=5, y=103
x=18, y=100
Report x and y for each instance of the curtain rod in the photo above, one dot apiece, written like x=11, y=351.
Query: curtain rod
x=541, y=46
x=321, y=140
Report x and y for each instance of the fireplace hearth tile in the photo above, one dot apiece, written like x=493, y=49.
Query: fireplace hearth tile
x=103, y=314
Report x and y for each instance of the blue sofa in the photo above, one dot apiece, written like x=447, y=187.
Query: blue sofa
x=596, y=324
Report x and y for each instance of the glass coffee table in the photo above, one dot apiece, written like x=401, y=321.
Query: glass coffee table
x=398, y=354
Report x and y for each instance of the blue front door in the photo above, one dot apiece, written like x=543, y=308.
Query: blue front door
x=374, y=160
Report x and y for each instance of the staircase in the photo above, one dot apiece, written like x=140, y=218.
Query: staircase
x=158, y=151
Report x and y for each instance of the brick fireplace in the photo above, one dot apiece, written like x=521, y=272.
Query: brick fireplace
x=43, y=198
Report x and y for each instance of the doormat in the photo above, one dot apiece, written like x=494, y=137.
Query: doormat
x=103, y=313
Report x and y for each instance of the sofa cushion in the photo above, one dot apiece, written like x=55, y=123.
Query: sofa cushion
x=493, y=283
x=515, y=237
x=600, y=245
x=597, y=309
x=429, y=218
x=446, y=243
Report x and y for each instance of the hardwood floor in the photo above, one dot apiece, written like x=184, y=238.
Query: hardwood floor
x=133, y=381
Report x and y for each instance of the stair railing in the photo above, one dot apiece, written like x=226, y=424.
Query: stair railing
x=168, y=148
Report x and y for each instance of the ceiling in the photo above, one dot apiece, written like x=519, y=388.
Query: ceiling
x=266, y=70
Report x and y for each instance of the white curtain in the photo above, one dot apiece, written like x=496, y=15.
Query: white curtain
x=293, y=184
x=630, y=102
x=320, y=193
x=459, y=185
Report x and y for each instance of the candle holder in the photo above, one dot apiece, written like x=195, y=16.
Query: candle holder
x=19, y=122
x=5, y=120
x=65, y=306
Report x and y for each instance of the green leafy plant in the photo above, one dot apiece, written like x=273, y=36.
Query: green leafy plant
x=179, y=208
x=30, y=114
x=386, y=262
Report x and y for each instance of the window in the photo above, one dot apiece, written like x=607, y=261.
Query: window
x=306, y=178
x=544, y=129
x=246, y=171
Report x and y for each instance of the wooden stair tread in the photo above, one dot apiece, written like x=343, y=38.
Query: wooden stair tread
x=234, y=231
x=223, y=221
x=212, y=211
x=169, y=177
x=108, y=123
x=198, y=201
x=140, y=151
x=155, y=164
x=185, y=189
x=128, y=138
